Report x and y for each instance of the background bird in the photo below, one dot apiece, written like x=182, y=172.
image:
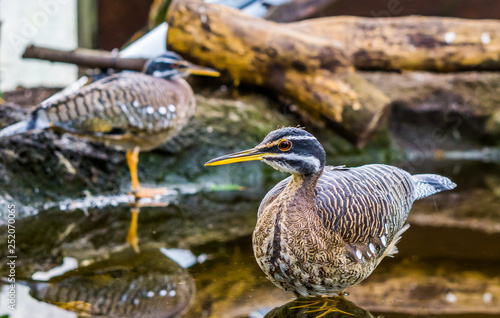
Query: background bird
x=326, y=228
x=130, y=111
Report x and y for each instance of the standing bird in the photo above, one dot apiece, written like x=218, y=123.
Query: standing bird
x=130, y=111
x=326, y=228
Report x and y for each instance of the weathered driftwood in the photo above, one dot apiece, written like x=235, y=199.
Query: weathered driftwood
x=411, y=43
x=313, y=61
x=314, y=71
x=85, y=57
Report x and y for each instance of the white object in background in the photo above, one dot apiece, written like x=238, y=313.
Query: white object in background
x=43, y=23
x=150, y=45
x=69, y=263
x=27, y=306
x=185, y=258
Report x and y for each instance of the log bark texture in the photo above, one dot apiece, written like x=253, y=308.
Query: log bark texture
x=313, y=61
x=314, y=71
x=411, y=43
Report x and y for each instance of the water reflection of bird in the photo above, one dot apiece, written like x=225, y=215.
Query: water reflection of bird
x=325, y=307
x=146, y=285
x=326, y=228
x=131, y=111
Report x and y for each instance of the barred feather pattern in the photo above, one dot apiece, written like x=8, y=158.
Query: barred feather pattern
x=124, y=110
x=317, y=235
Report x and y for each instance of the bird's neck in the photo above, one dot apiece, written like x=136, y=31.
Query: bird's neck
x=304, y=185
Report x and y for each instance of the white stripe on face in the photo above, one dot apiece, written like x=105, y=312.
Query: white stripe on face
x=299, y=138
x=291, y=138
x=164, y=73
x=311, y=160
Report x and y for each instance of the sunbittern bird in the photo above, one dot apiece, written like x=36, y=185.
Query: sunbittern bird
x=326, y=228
x=129, y=110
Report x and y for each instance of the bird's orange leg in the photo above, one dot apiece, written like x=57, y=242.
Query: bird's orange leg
x=132, y=161
x=132, y=238
x=137, y=191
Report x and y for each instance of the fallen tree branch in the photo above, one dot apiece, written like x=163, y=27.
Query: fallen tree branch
x=313, y=62
x=434, y=44
x=85, y=58
x=314, y=72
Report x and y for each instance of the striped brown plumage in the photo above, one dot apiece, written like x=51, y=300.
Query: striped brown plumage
x=124, y=110
x=326, y=228
x=337, y=229
x=128, y=110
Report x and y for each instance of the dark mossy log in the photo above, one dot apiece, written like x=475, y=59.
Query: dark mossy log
x=411, y=43
x=314, y=71
x=46, y=167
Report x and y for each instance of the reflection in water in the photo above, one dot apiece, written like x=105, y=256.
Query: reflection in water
x=132, y=238
x=326, y=307
x=135, y=208
x=147, y=284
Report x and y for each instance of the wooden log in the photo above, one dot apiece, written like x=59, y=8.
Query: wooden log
x=315, y=72
x=85, y=58
x=411, y=43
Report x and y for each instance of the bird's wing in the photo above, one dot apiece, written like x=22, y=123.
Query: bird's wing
x=271, y=195
x=364, y=207
x=119, y=104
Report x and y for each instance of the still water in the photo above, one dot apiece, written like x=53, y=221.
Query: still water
x=196, y=258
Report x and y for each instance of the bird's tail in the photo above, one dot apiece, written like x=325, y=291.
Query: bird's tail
x=428, y=184
x=34, y=122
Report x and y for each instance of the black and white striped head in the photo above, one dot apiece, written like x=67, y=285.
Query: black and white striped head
x=171, y=64
x=291, y=150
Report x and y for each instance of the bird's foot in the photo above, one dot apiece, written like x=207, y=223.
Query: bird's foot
x=148, y=192
x=133, y=240
x=323, y=306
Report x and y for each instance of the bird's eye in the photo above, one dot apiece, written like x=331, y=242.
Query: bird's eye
x=285, y=145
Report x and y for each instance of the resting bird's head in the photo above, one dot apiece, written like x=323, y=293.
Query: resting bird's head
x=287, y=149
x=171, y=64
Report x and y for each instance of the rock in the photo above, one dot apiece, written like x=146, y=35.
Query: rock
x=441, y=111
